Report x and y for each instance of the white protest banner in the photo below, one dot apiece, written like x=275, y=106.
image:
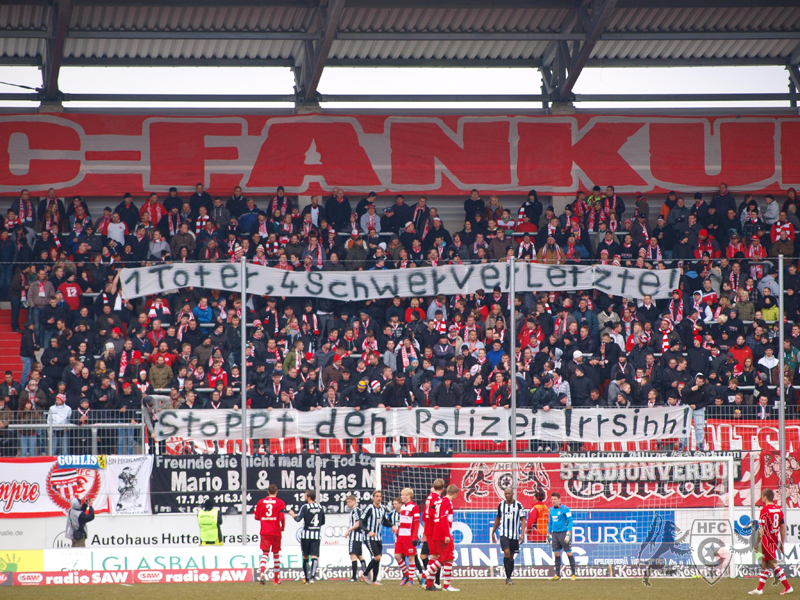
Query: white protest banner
x=350, y=286
x=128, y=479
x=575, y=425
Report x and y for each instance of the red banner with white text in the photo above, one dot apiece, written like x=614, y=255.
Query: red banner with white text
x=96, y=155
x=42, y=487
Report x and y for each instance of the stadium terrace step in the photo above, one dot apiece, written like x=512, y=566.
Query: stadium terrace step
x=9, y=344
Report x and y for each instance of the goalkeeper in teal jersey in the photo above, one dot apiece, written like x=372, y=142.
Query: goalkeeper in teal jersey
x=559, y=534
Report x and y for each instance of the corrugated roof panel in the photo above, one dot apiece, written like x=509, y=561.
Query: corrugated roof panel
x=705, y=19
x=21, y=47
x=166, y=48
x=232, y=18
x=33, y=17
x=427, y=19
x=437, y=49
x=694, y=49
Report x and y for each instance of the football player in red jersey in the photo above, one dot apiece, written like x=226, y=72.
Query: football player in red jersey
x=771, y=533
x=437, y=490
x=270, y=512
x=443, y=546
x=407, y=535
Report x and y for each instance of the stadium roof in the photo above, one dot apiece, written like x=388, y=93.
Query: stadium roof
x=559, y=38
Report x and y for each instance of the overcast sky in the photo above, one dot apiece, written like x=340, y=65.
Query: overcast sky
x=218, y=80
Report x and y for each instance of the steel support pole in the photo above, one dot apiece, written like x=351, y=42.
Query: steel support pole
x=513, y=348
x=753, y=500
x=782, y=397
x=243, y=371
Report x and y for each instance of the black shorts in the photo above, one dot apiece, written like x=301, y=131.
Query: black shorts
x=354, y=547
x=424, y=550
x=309, y=547
x=509, y=544
x=375, y=548
x=560, y=541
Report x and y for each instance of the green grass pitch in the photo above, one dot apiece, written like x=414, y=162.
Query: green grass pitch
x=524, y=589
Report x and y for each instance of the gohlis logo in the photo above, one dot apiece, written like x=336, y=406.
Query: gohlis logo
x=29, y=578
x=65, y=484
x=3, y=578
x=149, y=576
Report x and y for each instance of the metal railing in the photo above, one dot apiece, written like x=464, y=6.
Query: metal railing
x=100, y=436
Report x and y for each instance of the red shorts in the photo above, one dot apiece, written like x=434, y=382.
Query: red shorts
x=442, y=551
x=404, y=547
x=769, y=552
x=270, y=543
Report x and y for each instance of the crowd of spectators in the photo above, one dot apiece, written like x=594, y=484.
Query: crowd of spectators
x=88, y=352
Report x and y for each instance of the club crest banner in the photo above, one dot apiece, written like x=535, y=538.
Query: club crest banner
x=577, y=425
x=351, y=286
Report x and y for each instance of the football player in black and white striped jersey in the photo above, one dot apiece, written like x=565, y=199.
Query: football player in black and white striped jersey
x=509, y=525
x=355, y=540
x=313, y=517
x=373, y=518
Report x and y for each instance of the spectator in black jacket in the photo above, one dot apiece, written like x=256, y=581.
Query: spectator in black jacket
x=580, y=389
x=337, y=211
x=128, y=212
x=129, y=404
x=697, y=397
x=27, y=349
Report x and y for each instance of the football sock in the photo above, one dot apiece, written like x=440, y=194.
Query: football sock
x=276, y=564
x=447, y=569
x=781, y=576
x=762, y=578
x=354, y=566
x=314, y=563
x=572, y=564
x=363, y=566
x=263, y=562
x=305, y=568
x=558, y=565
x=508, y=563
x=374, y=566
x=418, y=564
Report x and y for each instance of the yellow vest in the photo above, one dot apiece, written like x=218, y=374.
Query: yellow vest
x=207, y=519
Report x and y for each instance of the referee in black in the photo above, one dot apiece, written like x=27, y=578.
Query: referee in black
x=509, y=524
x=373, y=517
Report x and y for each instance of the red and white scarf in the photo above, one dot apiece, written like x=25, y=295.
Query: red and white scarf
x=201, y=223
x=676, y=310
x=407, y=355
x=25, y=210
x=279, y=203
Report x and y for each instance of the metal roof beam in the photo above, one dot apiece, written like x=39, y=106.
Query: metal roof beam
x=25, y=33
x=668, y=36
x=179, y=98
x=316, y=52
x=459, y=36
x=20, y=61
x=112, y=34
x=600, y=17
x=391, y=98
x=60, y=15
x=794, y=57
x=794, y=75
x=526, y=63
x=539, y=36
x=599, y=63
x=105, y=61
